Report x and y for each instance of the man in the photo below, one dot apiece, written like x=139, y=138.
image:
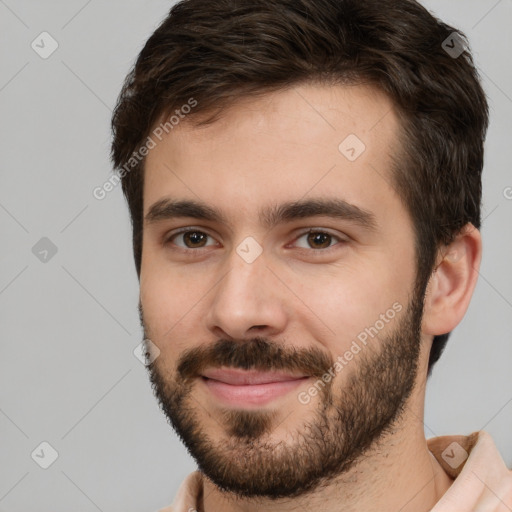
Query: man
x=304, y=181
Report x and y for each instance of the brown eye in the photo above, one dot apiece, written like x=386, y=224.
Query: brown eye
x=194, y=239
x=319, y=240
x=190, y=239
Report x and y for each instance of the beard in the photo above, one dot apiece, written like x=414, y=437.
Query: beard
x=349, y=419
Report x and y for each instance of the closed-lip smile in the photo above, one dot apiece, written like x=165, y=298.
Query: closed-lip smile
x=237, y=377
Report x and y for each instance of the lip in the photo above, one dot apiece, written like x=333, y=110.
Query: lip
x=248, y=377
x=244, y=388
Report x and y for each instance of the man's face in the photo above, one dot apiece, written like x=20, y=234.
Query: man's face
x=335, y=307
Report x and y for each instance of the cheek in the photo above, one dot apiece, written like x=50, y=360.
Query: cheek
x=349, y=299
x=167, y=300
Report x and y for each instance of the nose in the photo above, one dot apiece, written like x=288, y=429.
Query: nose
x=248, y=301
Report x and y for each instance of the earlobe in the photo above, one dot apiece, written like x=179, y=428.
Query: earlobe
x=452, y=283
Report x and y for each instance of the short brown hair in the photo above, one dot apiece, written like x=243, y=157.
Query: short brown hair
x=216, y=51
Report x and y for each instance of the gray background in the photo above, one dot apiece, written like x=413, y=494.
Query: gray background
x=68, y=375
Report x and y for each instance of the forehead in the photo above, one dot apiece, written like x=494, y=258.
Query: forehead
x=335, y=141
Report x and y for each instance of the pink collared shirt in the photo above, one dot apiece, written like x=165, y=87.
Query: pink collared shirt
x=482, y=482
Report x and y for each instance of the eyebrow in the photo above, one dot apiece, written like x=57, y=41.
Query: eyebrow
x=166, y=209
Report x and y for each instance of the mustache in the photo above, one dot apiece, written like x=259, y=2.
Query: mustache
x=256, y=353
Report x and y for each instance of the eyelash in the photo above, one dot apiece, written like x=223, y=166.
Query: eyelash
x=168, y=240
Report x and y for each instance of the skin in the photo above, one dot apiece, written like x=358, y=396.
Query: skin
x=269, y=150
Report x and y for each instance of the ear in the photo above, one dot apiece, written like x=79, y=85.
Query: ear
x=452, y=282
